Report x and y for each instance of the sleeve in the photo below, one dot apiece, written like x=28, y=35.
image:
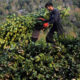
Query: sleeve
x=53, y=17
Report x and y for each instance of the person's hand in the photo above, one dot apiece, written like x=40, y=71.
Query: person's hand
x=41, y=19
x=45, y=25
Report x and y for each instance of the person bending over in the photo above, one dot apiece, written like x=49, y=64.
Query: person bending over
x=55, y=20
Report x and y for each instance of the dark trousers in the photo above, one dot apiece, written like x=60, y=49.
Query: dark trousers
x=57, y=27
x=49, y=37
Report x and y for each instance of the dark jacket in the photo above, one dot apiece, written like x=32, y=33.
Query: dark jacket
x=56, y=21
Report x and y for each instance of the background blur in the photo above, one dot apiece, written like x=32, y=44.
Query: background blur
x=23, y=7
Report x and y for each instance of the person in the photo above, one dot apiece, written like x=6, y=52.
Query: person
x=55, y=20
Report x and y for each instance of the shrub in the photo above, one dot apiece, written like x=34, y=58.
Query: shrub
x=35, y=61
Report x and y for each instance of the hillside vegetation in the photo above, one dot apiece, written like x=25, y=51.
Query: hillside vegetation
x=20, y=60
x=23, y=7
x=37, y=61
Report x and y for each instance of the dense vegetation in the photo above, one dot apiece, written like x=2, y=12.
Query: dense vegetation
x=41, y=62
x=23, y=7
x=37, y=61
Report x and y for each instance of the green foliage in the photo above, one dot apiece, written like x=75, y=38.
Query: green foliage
x=35, y=61
x=65, y=16
x=77, y=3
x=41, y=61
x=77, y=16
x=17, y=30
